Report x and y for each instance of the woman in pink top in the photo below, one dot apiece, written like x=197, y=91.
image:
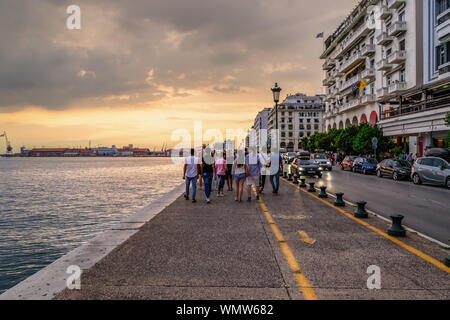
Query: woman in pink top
x=221, y=170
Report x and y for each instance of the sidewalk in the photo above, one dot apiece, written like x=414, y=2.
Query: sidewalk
x=228, y=250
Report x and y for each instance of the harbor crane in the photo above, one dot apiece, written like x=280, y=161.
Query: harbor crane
x=9, y=149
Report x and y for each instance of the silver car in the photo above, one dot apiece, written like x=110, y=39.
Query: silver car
x=431, y=170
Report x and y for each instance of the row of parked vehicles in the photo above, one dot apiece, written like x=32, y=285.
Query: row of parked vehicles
x=434, y=168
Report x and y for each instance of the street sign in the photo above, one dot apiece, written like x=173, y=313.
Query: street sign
x=374, y=142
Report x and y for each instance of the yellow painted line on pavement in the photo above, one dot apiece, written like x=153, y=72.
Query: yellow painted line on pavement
x=413, y=250
x=305, y=238
x=305, y=286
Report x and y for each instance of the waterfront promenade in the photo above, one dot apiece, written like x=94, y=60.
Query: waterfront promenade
x=290, y=246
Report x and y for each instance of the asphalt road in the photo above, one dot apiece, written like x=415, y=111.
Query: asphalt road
x=426, y=208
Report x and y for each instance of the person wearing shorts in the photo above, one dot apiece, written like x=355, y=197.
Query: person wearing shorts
x=239, y=172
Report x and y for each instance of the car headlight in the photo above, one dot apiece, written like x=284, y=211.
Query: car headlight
x=328, y=162
x=302, y=169
x=320, y=168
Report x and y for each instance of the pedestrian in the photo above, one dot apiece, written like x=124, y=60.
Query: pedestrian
x=240, y=171
x=221, y=169
x=253, y=162
x=264, y=171
x=191, y=172
x=276, y=167
x=410, y=158
x=202, y=154
x=208, y=172
x=229, y=175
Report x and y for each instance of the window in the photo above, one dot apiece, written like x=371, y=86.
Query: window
x=402, y=45
x=290, y=134
x=402, y=75
x=441, y=6
x=290, y=127
x=401, y=16
x=443, y=53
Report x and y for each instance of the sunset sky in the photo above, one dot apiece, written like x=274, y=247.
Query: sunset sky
x=139, y=69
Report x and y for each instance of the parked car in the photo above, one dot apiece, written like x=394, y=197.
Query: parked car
x=347, y=163
x=365, y=165
x=322, y=160
x=306, y=167
x=431, y=170
x=395, y=169
x=442, y=153
x=291, y=156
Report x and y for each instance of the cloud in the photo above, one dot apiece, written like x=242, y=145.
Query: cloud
x=190, y=45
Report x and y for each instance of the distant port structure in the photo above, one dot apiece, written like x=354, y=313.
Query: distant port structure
x=113, y=151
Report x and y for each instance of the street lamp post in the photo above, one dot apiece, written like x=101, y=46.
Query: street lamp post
x=276, y=98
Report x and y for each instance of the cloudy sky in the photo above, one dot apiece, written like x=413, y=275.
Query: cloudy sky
x=139, y=69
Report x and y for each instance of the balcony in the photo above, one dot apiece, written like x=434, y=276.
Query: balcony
x=443, y=26
x=397, y=28
x=383, y=65
x=368, y=74
x=368, y=50
x=351, y=62
x=329, y=64
x=444, y=71
x=396, y=87
x=329, y=81
x=382, y=92
x=350, y=82
x=383, y=39
x=396, y=57
x=354, y=37
x=385, y=13
x=351, y=105
x=368, y=98
x=395, y=4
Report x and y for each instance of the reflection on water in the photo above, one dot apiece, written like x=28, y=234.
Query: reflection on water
x=50, y=206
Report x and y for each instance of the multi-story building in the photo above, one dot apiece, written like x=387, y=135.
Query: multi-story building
x=416, y=117
x=299, y=116
x=261, y=123
x=371, y=55
x=388, y=64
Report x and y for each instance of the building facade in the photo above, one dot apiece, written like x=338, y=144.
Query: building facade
x=388, y=64
x=299, y=116
x=415, y=118
x=371, y=55
x=261, y=123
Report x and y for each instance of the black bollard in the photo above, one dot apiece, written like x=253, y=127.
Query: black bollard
x=295, y=179
x=396, y=229
x=312, y=189
x=339, y=201
x=290, y=177
x=323, y=192
x=361, y=212
x=447, y=261
x=303, y=184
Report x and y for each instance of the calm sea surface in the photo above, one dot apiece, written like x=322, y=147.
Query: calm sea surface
x=51, y=206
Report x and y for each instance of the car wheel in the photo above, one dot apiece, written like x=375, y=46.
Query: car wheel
x=342, y=167
x=364, y=171
x=331, y=169
x=395, y=176
x=416, y=179
x=379, y=174
x=448, y=183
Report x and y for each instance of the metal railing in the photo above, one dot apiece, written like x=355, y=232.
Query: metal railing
x=416, y=107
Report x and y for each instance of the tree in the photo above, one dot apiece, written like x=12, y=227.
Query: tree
x=345, y=138
x=305, y=143
x=447, y=120
x=363, y=140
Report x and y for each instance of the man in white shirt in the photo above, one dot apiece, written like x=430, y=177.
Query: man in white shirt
x=191, y=172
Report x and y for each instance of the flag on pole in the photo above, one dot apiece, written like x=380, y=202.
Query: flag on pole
x=320, y=35
x=362, y=85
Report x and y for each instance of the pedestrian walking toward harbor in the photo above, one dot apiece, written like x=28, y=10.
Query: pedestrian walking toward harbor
x=254, y=165
x=208, y=172
x=221, y=169
x=229, y=175
x=276, y=167
x=240, y=172
x=191, y=172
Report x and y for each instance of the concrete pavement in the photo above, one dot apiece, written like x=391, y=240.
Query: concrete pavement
x=291, y=246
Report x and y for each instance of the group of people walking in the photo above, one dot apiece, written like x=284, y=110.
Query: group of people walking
x=243, y=168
